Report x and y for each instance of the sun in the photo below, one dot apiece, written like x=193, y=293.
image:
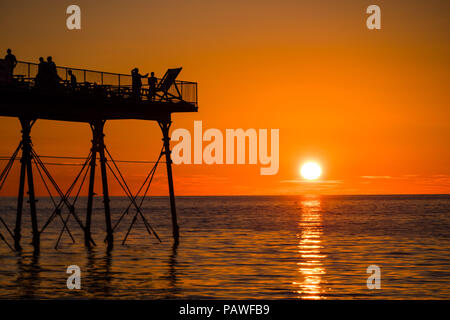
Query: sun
x=311, y=171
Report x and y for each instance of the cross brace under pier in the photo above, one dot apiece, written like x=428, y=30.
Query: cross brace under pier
x=98, y=148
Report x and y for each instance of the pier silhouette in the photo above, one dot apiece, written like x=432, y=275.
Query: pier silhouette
x=93, y=97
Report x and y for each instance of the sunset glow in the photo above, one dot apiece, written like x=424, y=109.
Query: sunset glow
x=280, y=65
x=180, y=152
x=311, y=171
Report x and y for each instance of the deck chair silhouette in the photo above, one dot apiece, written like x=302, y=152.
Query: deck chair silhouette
x=168, y=80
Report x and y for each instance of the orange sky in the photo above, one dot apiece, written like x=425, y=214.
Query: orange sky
x=372, y=107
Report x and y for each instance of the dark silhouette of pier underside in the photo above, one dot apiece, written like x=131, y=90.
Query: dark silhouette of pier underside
x=66, y=108
x=95, y=98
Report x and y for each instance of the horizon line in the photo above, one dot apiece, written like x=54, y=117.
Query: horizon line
x=273, y=195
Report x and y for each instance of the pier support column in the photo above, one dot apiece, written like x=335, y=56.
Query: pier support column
x=165, y=126
x=98, y=145
x=26, y=168
x=17, y=229
x=92, y=164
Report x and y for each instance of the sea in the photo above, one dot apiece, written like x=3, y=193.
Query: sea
x=236, y=247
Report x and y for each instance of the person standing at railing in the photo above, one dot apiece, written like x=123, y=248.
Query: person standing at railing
x=152, y=82
x=137, y=83
x=43, y=74
x=11, y=62
x=51, y=65
x=53, y=73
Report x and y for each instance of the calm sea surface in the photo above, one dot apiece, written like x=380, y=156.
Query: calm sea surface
x=242, y=248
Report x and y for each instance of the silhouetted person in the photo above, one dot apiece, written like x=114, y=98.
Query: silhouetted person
x=53, y=73
x=42, y=77
x=152, y=82
x=51, y=65
x=73, y=80
x=137, y=83
x=11, y=62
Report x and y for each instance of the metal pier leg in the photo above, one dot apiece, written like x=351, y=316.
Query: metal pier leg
x=17, y=229
x=165, y=126
x=101, y=149
x=92, y=164
x=32, y=201
x=26, y=164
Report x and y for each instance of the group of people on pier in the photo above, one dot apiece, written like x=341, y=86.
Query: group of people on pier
x=136, y=84
x=47, y=77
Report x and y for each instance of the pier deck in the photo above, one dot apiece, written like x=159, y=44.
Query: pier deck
x=110, y=97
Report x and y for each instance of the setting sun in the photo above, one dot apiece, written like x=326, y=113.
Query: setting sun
x=311, y=171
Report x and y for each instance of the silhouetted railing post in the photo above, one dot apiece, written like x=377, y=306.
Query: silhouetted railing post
x=165, y=126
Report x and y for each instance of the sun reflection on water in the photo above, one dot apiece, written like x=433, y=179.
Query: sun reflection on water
x=310, y=265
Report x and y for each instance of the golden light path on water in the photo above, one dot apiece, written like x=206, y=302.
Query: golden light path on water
x=310, y=265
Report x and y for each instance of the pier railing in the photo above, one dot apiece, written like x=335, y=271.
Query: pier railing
x=113, y=84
